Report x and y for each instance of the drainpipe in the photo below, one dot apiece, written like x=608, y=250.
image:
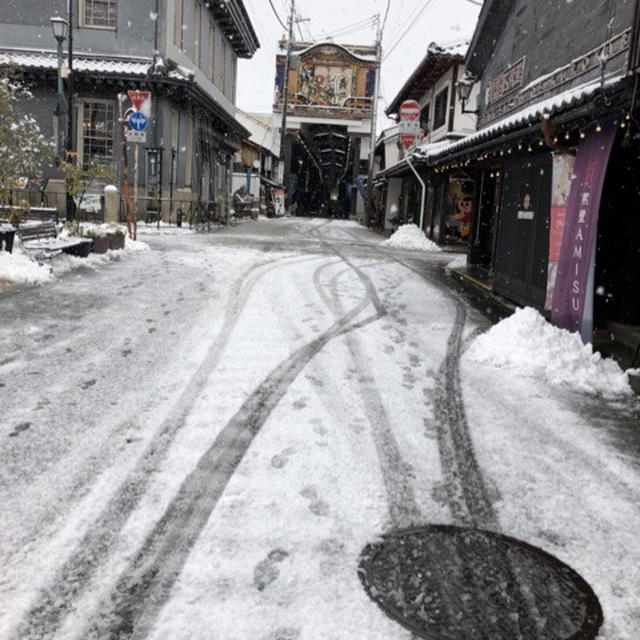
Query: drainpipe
x=424, y=189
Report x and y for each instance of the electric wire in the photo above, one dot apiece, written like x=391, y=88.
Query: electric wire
x=410, y=17
x=284, y=26
x=427, y=4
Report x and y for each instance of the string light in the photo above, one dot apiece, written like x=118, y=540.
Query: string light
x=567, y=136
x=598, y=128
x=583, y=135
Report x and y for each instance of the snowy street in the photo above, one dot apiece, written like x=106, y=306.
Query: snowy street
x=200, y=439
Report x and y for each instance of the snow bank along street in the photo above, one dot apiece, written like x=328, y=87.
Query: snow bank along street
x=200, y=439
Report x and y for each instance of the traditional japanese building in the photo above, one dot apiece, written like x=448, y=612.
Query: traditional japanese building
x=445, y=208
x=184, y=52
x=330, y=90
x=554, y=159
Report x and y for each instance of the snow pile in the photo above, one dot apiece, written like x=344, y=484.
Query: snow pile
x=19, y=268
x=527, y=344
x=458, y=262
x=164, y=230
x=410, y=236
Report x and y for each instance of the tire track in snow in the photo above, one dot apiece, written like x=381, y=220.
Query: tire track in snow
x=468, y=497
x=146, y=584
x=54, y=602
x=467, y=493
x=396, y=472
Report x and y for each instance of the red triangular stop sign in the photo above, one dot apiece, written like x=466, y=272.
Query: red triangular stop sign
x=137, y=97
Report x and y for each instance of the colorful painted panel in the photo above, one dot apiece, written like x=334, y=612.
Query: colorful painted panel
x=325, y=85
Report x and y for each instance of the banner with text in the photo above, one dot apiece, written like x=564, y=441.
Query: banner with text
x=568, y=309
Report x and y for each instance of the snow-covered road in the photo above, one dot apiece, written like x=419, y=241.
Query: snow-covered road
x=199, y=440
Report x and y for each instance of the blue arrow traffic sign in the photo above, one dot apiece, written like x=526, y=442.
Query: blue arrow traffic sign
x=138, y=121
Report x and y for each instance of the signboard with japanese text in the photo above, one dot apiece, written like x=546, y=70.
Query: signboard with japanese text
x=569, y=308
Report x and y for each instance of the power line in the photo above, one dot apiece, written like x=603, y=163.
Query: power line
x=409, y=27
x=410, y=17
x=284, y=26
x=352, y=28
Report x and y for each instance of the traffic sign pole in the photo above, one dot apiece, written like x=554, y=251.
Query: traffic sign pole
x=409, y=129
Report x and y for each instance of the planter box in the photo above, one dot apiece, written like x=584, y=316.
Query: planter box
x=116, y=241
x=101, y=244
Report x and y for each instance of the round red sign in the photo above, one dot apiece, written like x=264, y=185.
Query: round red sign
x=409, y=110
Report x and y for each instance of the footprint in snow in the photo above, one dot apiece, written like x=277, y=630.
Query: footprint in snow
x=280, y=459
x=316, y=506
x=267, y=570
x=19, y=428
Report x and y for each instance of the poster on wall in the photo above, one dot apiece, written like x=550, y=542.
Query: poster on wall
x=572, y=302
x=279, y=201
x=560, y=184
x=457, y=222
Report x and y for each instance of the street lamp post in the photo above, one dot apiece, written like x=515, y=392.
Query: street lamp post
x=60, y=30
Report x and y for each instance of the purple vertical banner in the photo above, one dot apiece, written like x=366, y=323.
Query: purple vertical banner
x=581, y=227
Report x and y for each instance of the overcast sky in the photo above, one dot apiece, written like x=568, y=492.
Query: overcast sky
x=411, y=25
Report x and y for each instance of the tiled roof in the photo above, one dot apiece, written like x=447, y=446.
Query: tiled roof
x=82, y=62
x=560, y=102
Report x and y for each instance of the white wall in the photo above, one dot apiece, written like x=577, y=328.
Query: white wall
x=463, y=124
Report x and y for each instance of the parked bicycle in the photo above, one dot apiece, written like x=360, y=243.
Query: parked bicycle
x=202, y=216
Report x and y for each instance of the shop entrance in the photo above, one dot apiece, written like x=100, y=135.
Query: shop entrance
x=482, y=249
x=617, y=281
x=522, y=248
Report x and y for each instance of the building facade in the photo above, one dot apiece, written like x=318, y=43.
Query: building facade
x=330, y=90
x=445, y=208
x=554, y=160
x=184, y=52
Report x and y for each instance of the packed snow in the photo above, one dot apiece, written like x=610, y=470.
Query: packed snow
x=529, y=346
x=410, y=236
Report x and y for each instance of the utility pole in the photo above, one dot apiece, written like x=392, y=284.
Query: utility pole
x=285, y=89
x=374, y=117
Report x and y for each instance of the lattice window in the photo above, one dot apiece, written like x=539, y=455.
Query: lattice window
x=98, y=119
x=100, y=13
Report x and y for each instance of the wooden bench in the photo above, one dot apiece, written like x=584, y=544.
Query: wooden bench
x=41, y=241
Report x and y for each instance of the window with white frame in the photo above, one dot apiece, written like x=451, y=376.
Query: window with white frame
x=101, y=14
x=98, y=119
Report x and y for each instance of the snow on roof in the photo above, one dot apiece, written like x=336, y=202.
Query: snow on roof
x=454, y=48
x=563, y=100
x=432, y=147
x=355, y=51
x=82, y=62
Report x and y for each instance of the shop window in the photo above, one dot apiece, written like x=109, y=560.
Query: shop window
x=99, y=13
x=98, y=118
x=440, y=111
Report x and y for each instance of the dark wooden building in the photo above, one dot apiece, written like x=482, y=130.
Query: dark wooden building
x=557, y=146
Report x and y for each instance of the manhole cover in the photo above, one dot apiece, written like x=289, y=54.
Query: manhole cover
x=450, y=583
